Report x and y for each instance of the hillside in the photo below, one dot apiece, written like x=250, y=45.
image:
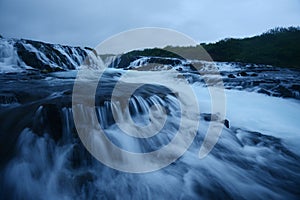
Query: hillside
x=278, y=47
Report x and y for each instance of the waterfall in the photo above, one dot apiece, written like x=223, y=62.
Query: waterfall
x=21, y=54
x=43, y=157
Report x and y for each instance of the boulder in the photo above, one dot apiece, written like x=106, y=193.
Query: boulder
x=231, y=76
x=214, y=117
x=243, y=73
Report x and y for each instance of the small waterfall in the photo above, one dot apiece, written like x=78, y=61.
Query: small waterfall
x=49, y=160
x=18, y=55
x=9, y=59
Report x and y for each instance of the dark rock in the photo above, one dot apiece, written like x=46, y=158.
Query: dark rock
x=210, y=117
x=264, y=91
x=78, y=157
x=254, y=74
x=214, y=117
x=243, y=74
x=13, y=122
x=124, y=61
x=283, y=91
x=231, y=76
x=159, y=56
x=252, y=138
x=67, y=92
x=83, y=179
x=48, y=120
x=296, y=87
x=8, y=99
x=87, y=176
x=226, y=123
x=47, y=58
x=194, y=66
x=30, y=58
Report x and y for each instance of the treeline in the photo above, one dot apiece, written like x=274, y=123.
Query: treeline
x=278, y=47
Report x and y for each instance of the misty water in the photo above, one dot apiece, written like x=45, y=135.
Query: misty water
x=256, y=156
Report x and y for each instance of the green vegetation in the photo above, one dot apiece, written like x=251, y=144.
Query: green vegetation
x=277, y=47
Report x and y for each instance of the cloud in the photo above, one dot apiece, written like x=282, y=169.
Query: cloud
x=86, y=23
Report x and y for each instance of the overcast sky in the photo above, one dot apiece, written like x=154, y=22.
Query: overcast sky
x=88, y=22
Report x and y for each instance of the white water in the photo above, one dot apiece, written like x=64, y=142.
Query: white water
x=269, y=115
x=43, y=168
x=252, y=111
x=9, y=60
x=46, y=169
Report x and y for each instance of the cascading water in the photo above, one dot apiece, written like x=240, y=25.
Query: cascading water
x=42, y=156
x=47, y=159
x=18, y=55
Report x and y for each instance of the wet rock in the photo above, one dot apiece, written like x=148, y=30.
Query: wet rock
x=165, y=61
x=48, y=57
x=252, y=138
x=48, y=120
x=87, y=176
x=295, y=87
x=214, y=117
x=243, y=73
x=78, y=157
x=194, y=66
x=226, y=123
x=264, y=91
x=231, y=76
x=210, y=117
x=67, y=92
x=82, y=179
x=8, y=99
x=283, y=91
